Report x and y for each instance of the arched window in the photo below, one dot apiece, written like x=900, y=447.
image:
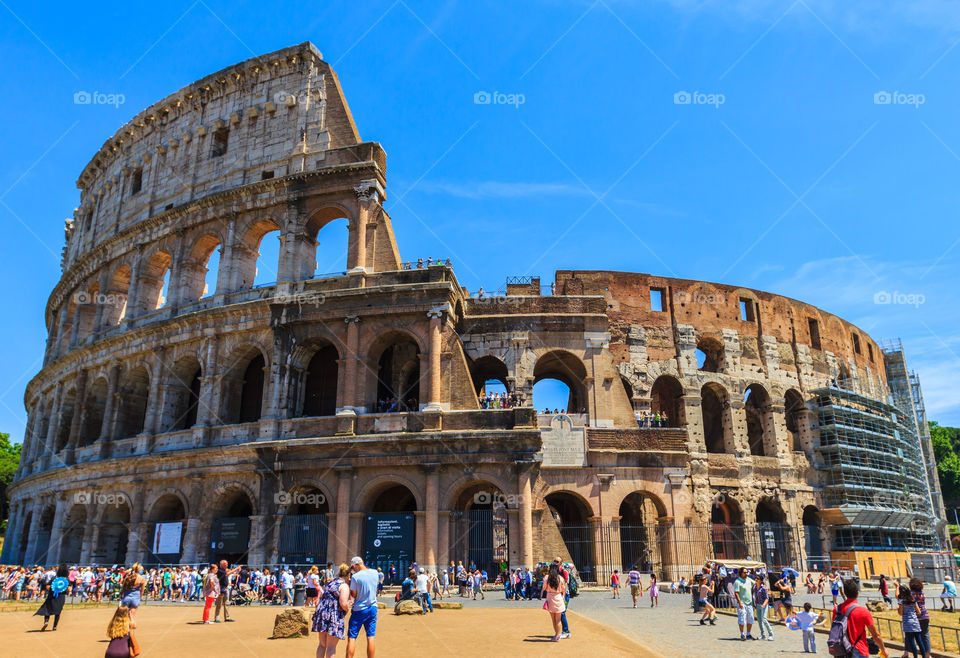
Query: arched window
x=115, y=297
x=320, y=383
x=556, y=373
x=200, y=272
x=155, y=282
x=666, y=399
x=756, y=405
x=793, y=408
x=94, y=408
x=134, y=389
x=259, y=255
x=714, y=405
x=325, y=254
x=251, y=393
x=710, y=355
x=398, y=375
x=182, y=395
x=67, y=410
x=489, y=375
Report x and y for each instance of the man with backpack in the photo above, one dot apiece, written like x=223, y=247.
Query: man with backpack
x=851, y=622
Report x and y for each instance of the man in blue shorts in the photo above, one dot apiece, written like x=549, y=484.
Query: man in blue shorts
x=363, y=589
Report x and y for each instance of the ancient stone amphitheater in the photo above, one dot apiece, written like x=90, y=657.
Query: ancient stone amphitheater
x=177, y=419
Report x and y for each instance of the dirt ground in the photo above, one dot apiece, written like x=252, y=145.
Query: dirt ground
x=174, y=632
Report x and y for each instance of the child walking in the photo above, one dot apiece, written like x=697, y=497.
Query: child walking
x=654, y=591
x=615, y=584
x=808, y=620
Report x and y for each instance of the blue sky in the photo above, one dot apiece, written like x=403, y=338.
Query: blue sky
x=782, y=173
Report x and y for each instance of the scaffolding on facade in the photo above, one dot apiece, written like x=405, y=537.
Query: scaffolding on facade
x=874, y=481
x=907, y=395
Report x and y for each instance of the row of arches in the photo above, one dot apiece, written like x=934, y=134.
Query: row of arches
x=212, y=262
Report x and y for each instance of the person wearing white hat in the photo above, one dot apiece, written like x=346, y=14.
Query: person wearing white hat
x=423, y=587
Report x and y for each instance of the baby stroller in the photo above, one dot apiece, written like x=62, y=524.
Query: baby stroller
x=242, y=595
x=268, y=593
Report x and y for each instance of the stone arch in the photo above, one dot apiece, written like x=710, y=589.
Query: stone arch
x=717, y=418
x=152, y=280
x=132, y=400
x=194, y=277
x=111, y=546
x=394, y=371
x=168, y=506
x=488, y=368
x=568, y=369
x=479, y=523
x=247, y=254
x=115, y=296
x=813, y=538
x=182, y=396
x=710, y=354
x=316, y=386
x=377, y=486
x=304, y=528
x=233, y=505
x=568, y=515
x=641, y=543
x=71, y=534
x=774, y=532
x=728, y=533
x=95, y=404
x=295, y=505
x=666, y=397
x=312, y=263
x=68, y=407
x=244, y=387
x=793, y=408
x=44, y=529
x=756, y=405
x=86, y=312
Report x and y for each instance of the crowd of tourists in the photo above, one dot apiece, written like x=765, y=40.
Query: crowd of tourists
x=420, y=264
x=500, y=401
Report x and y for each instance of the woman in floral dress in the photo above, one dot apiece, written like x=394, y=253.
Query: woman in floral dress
x=331, y=612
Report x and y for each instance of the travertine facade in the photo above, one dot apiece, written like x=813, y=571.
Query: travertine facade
x=160, y=401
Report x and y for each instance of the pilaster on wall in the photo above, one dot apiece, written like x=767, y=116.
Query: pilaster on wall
x=686, y=340
x=731, y=351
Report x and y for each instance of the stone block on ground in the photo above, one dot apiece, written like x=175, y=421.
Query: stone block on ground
x=447, y=605
x=408, y=607
x=291, y=623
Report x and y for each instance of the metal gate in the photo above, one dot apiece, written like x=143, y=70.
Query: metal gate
x=481, y=539
x=303, y=539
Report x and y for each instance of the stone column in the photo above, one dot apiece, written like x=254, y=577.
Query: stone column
x=353, y=390
x=368, y=194
x=735, y=429
x=191, y=541
x=340, y=541
x=151, y=422
x=208, y=408
x=435, y=394
x=665, y=539
x=29, y=555
x=133, y=289
x=7, y=556
x=431, y=516
x=56, y=533
x=56, y=409
x=91, y=533
x=64, y=328
x=110, y=407
x=226, y=275
x=259, y=526
x=525, y=492
x=78, y=414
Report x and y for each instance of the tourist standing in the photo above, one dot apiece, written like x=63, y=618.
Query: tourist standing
x=785, y=604
x=743, y=594
x=836, y=582
x=131, y=591
x=53, y=604
x=859, y=621
x=423, y=588
x=633, y=579
x=211, y=592
x=706, y=591
x=909, y=613
x=761, y=602
x=615, y=584
x=885, y=590
x=331, y=612
x=119, y=631
x=223, y=576
x=363, y=614
x=313, y=587
x=555, y=587
x=916, y=588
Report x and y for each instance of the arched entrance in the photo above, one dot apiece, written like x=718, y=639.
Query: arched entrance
x=479, y=529
x=729, y=541
x=111, y=546
x=569, y=517
x=640, y=540
x=390, y=529
x=812, y=539
x=320, y=383
x=230, y=529
x=71, y=539
x=166, y=539
x=304, y=527
x=774, y=533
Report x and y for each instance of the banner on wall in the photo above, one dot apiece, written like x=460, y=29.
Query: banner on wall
x=166, y=538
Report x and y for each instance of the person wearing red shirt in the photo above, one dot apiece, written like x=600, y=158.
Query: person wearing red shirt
x=859, y=622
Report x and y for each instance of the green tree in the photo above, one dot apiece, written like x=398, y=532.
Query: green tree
x=945, y=444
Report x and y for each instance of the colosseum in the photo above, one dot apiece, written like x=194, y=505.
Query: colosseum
x=186, y=413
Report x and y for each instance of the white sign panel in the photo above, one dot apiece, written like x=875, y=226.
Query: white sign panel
x=166, y=538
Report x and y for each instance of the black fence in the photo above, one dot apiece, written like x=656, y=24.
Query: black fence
x=674, y=551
